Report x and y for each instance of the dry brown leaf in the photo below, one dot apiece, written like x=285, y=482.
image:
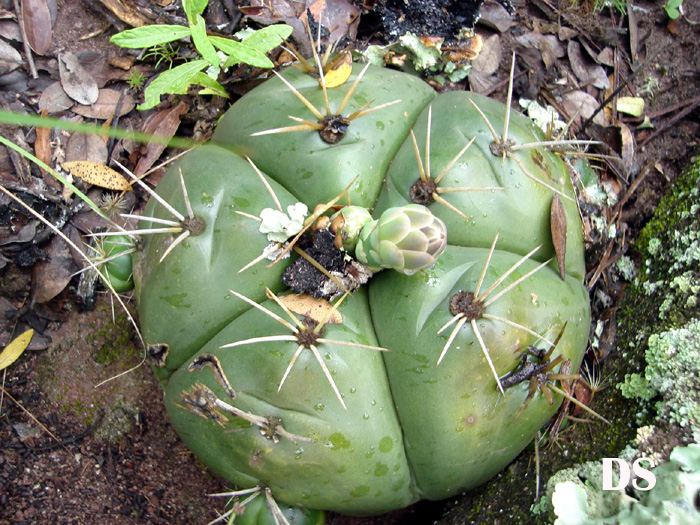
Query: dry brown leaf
x=316, y=309
x=122, y=62
x=82, y=147
x=607, y=57
x=133, y=13
x=42, y=144
x=482, y=75
x=558, y=227
x=629, y=147
x=76, y=81
x=25, y=234
x=164, y=124
x=51, y=276
x=584, y=104
x=584, y=68
x=9, y=30
x=495, y=16
x=20, y=163
x=10, y=59
x=566, y=33
x=36, y=19
x=339, y=16
x=632, y=22
x=549, y=46
x=54, y=99
x=97, y=174
x=109, y=103
x=490, y=56
x=42, y=150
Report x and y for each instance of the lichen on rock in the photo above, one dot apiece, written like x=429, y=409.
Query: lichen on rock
x=673, y=373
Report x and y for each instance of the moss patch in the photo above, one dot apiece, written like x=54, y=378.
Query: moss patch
x=89, y=349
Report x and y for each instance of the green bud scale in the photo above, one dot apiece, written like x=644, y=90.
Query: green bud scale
x=406, y=239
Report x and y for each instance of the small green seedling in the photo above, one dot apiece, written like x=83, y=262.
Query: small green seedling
x=673, y=8
x=218, y=53
x=620, y=5
x=136, y=80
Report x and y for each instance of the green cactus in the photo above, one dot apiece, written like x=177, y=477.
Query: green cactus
x=402, y=399
x=116, y=260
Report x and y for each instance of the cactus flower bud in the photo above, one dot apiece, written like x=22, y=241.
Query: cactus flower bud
x=354, y=219
x=406, y=239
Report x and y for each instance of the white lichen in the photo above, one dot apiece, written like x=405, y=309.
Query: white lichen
x=280, y=226
x=627, y=268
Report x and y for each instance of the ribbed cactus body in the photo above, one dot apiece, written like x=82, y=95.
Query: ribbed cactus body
x=410, y=428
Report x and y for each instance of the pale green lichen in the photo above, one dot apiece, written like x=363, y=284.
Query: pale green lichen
x=576, y=496
x=414, y=55
x=654, y=246
x=627, y=268
x=280, y=226
x=546, y=118
x=673, y=373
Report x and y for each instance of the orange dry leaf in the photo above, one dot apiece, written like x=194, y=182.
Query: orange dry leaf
x=316, y=309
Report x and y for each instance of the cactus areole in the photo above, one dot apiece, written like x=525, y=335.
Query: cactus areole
x=396, y=396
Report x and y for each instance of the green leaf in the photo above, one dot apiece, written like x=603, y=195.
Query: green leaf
x=12, y=351
x=193, y=8
x=175, y=81
x=672, y=8
x=202, y=43
x=238, y=52
x=148, y=36
x=268, y=38
x=211, y=86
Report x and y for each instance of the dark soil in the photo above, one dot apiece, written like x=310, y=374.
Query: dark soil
x=115, y=458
